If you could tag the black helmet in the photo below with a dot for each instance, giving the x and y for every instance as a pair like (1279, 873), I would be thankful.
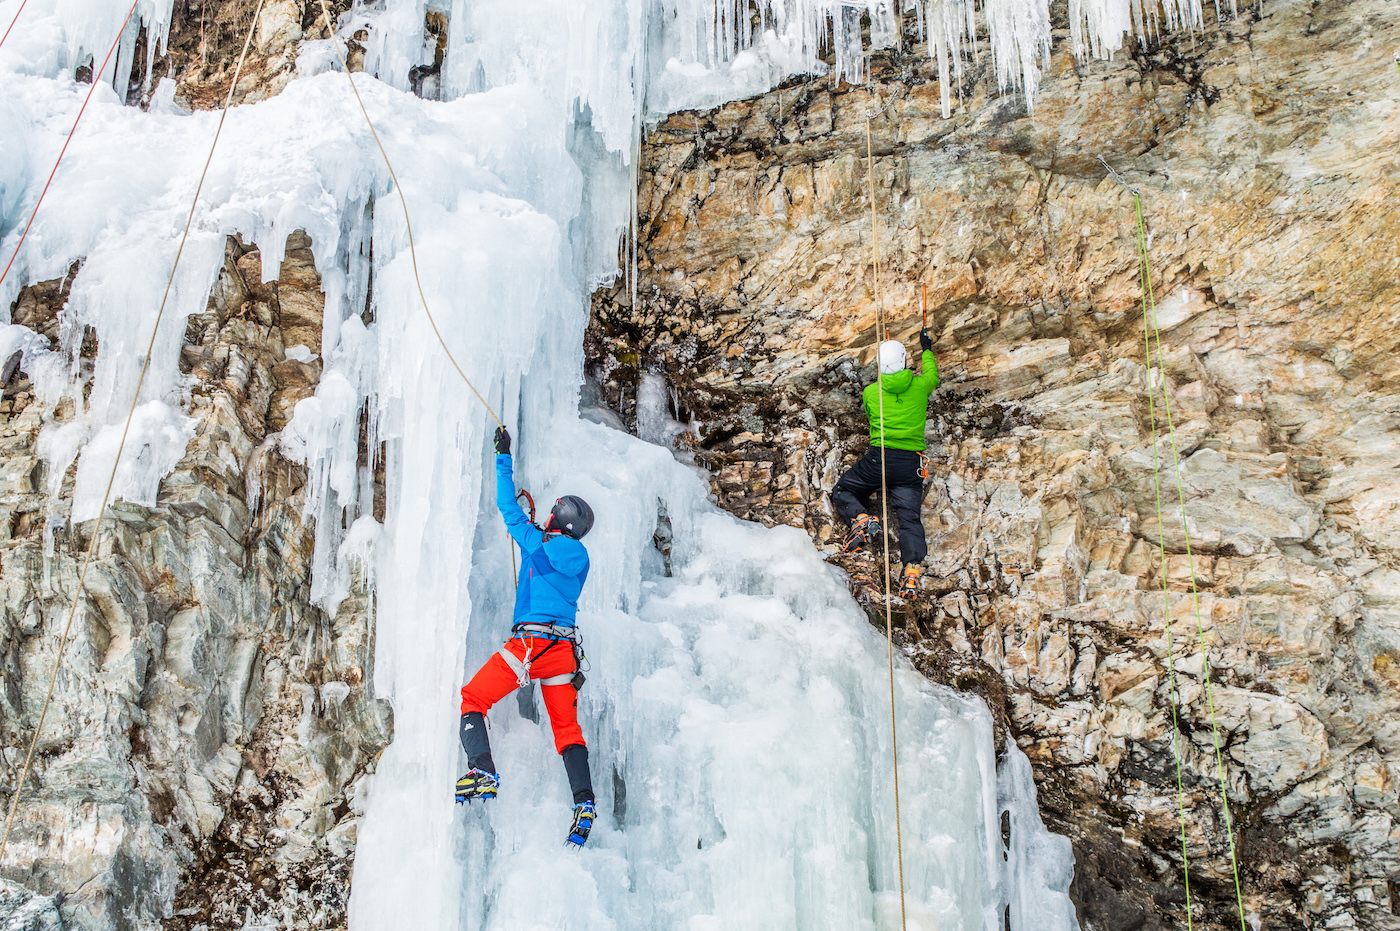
(570, 516)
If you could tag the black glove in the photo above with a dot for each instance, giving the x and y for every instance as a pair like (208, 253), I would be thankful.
(925, 341)
(502, 441)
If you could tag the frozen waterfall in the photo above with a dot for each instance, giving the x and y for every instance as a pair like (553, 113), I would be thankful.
(737, 703)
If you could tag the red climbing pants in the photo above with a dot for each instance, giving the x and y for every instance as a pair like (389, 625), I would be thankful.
(495, 680)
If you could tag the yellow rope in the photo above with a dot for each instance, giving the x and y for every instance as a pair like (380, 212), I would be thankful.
(1173, 694)
(885, 519)
(1151, 312)
(121, 447)
(398, 189)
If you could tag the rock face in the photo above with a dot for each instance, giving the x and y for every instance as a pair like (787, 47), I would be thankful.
(206, 38)
(1118, 657)
(198, 766)
(208, 725)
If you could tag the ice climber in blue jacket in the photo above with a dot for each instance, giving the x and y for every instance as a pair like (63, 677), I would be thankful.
(544, 643)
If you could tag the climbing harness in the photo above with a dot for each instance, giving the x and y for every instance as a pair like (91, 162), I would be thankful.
(1151, 333)
(126, 430)
(521, 666)
(884, 522)
(555, 635)
(546, 631)
(96, 79)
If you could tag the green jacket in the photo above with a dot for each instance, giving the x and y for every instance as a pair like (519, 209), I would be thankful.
(906, 406)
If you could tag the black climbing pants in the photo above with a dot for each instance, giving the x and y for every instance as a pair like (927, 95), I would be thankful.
(905, 492)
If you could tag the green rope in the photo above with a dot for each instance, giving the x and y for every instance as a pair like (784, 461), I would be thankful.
(1151, 308)
(1174, 694)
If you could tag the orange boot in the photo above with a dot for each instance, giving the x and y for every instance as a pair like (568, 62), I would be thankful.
(910, 589)
(864, 530)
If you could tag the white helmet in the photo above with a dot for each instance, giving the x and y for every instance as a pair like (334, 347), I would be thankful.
(892, 357)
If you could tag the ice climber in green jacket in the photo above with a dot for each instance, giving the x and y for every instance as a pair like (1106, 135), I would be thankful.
(898, 434)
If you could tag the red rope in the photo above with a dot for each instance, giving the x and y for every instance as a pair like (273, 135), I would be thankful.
(13, 21)
(96, 76)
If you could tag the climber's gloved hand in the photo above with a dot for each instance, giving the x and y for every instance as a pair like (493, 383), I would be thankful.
(502, 441)
(925, 341)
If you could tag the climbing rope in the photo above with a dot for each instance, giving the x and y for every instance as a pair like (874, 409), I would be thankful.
(96, 79)
(1174, 695)
(398, 189)
(1173, 692)
(412, 249)
(1151, 313)
(121, 446)
(880, 334)
(16, 19)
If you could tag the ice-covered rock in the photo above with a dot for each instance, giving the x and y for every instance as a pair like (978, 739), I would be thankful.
(755, 297)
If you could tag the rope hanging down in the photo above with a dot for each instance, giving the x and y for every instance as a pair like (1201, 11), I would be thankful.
(885, 517)
(412, 249)
(1151, 314)
(398, 189)
(1149, 325)
(121, 446)
(96, 79)
(21, 10)
(1173, 693)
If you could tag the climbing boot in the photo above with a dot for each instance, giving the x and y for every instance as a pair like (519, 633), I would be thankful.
(864, 529)
(477, 783)
(584, 813)
(909, 590)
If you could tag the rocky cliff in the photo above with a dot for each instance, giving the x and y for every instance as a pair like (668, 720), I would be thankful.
(1264, 149)
(208, 724)
(198, 768)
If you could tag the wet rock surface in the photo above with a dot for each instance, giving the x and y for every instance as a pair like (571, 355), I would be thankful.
(198, 763)
(1263, 150)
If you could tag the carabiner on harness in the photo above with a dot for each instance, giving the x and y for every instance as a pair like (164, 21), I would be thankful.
(556, 635)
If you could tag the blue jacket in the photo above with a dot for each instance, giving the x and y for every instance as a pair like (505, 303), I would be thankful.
(552, 569)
